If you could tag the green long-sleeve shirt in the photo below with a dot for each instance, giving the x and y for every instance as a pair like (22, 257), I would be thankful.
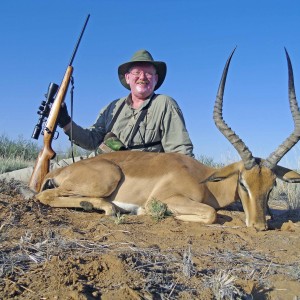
(163, 122)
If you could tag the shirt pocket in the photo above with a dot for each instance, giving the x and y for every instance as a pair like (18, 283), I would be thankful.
(148, 132)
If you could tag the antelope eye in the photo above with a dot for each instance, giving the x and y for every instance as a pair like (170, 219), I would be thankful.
(269, 193)
(243, 186)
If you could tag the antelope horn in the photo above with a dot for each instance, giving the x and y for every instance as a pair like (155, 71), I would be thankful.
(288, 144)
(232, 137)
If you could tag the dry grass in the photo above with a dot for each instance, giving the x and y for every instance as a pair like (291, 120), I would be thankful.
(288, 192)
(162, 273)
(165, 274)
(224, 287)
(119, 218)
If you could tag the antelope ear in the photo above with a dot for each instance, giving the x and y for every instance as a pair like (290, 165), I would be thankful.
(286, 174)
(223, 173)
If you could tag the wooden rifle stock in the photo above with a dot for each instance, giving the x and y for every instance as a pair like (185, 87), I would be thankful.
(42, 164)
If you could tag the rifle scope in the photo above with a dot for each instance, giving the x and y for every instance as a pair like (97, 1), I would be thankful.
(44, 109)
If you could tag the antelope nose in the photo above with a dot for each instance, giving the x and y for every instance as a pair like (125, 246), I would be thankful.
(260, 226)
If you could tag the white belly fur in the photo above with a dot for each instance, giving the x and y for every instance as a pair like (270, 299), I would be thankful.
(131, 208)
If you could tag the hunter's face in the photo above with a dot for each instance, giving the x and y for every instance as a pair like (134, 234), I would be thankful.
(142, 79)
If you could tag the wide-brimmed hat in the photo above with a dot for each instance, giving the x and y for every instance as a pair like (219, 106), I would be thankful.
(143, 56)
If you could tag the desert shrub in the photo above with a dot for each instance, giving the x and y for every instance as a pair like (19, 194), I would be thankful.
(157, 210)
(20, 148)
(16, 154)
(11, 164)
(21, 153)
(223, 285)
(67, 153)
(119, 218)
(289, 192)
(209, 161)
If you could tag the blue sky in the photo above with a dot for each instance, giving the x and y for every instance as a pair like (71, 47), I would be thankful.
(194, 38)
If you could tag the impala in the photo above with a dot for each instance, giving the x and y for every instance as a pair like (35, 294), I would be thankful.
(128, 180)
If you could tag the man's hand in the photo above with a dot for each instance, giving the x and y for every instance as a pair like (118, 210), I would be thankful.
(63, 117)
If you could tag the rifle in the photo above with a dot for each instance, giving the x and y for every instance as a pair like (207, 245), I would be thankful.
(51, 106)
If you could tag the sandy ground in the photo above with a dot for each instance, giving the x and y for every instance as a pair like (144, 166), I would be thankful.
(48, 253)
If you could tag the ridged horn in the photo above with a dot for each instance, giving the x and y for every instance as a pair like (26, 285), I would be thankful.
(232, 137)
(288, 144)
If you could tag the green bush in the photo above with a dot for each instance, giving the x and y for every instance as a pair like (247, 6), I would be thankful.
(20, 148)
(12, 164)
(157, 210)
(21, 153)
(77, 151)
(16, 154)
(206, 160)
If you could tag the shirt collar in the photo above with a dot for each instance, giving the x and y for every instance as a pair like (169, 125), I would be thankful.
(128, 101)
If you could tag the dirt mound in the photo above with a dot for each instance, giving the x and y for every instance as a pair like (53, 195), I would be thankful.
(50, 253)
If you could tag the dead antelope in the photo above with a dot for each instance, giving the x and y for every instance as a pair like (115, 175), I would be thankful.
(127, 180)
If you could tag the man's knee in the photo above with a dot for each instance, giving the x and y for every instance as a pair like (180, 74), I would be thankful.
(64, 162)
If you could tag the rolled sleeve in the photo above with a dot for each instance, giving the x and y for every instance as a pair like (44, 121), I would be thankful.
(90, 138)
(87, 138)
(175, 137)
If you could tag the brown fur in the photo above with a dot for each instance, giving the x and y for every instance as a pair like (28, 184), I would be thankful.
(191, 190)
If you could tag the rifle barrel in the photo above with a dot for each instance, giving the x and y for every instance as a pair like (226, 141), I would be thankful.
(78, 42)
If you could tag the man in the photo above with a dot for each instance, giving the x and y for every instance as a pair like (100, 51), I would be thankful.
(161, 129)
(142, 121)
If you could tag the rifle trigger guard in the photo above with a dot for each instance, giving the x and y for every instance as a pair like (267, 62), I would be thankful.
(56, 135)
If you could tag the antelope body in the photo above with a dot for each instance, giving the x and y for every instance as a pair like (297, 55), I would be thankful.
(128, 180)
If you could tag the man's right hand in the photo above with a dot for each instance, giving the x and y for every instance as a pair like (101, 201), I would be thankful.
(63, 117)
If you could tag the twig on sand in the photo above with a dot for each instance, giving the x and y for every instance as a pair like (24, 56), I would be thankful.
(20, 285)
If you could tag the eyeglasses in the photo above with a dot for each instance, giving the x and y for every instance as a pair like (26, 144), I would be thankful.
(139, 73)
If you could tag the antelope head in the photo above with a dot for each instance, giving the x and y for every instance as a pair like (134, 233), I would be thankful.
(257, 177)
